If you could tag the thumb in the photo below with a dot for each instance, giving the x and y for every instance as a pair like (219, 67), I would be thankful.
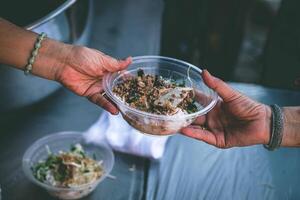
(113, 65)
(226, 92)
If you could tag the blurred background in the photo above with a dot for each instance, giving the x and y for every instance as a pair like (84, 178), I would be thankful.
(255, 41)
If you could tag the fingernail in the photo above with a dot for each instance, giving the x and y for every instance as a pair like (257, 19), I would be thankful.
(125, 58)
(209, 74)
(126, 61)
(129, 59)
(203, 71)
(114, 111)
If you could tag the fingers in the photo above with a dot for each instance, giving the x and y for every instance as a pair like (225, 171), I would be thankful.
(101, 101)
(198, 133)
(223, 89)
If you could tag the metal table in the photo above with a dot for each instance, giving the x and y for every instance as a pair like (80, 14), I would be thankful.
(189, 169)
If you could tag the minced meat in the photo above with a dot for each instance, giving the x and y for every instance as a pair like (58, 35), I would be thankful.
(154, 94)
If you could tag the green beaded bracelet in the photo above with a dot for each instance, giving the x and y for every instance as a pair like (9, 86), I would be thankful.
(34, 53)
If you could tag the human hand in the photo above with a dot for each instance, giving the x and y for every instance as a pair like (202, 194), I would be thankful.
(83, 71)
(236, 120)
(79, 69)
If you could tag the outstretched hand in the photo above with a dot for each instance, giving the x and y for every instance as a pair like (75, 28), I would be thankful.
(236, 120)
(83, 71)
(78, 68)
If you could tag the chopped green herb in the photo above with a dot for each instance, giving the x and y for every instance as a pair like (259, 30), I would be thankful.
(68, 169)
(191, 108)
(140, 72)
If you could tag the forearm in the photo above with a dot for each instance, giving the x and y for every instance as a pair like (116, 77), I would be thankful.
(16, 46)
(291, 130)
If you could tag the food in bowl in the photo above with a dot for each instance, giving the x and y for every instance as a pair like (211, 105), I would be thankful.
(157, 95)
(68, 169)
(162, 114)
(56, 143)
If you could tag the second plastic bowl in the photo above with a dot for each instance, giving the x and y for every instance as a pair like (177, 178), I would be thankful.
(168, 68)
(62, 142)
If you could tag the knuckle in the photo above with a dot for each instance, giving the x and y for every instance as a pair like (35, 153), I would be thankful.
(218, 83)
(220, 143)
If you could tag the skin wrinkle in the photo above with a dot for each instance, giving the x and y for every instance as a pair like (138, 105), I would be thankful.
(46, 51)
(291, 127)
(81, 53)
(93, 85)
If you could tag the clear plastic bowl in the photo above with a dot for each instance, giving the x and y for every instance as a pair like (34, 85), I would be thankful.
(62, 141)
(167, 68)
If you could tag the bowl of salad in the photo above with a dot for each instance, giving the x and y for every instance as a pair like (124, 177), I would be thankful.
(66, 165)
(159, 95)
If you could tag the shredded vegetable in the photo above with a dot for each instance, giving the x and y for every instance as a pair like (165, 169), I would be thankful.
(68, 169)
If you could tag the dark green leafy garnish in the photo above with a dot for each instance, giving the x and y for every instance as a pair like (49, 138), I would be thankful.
(191, 108)
(140, 73)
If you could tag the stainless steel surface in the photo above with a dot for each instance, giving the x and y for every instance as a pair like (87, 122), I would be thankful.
(18, 90)
(51, 15)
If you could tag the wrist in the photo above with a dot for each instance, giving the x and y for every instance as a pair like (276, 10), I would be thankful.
(50, 59)
(291, 127)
